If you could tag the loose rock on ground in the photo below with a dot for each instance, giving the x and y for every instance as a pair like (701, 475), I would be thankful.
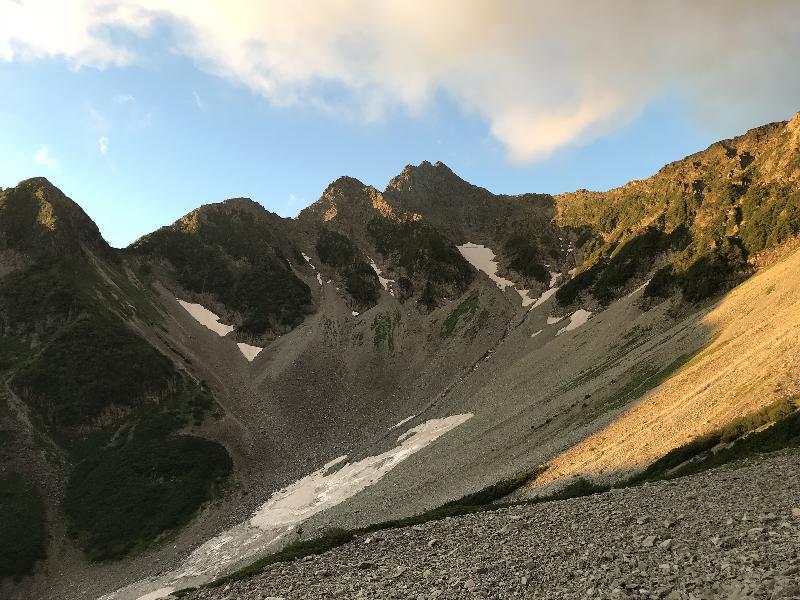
(729, 533)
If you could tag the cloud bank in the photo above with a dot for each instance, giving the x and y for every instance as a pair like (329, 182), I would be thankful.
(542, 74)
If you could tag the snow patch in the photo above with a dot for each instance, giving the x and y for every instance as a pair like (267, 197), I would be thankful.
(483, 259)
(250, 352)
(384, 282)
(211, 321)
(355, 313)
(553, 320)
(401, 423)
(553, 278)
(535, 333)
(544, 297)
(526, 297)
(638, 289)
(161, 593)
(576, 319)
(205, 317)
(308, 260)
(284, 511)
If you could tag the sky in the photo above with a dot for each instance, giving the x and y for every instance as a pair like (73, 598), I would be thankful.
(143, 110)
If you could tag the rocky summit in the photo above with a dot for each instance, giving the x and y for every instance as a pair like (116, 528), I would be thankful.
(425, 391)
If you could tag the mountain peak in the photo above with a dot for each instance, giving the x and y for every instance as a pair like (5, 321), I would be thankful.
(234, 205)
(346, 198)
(38, 218)
(427, 177)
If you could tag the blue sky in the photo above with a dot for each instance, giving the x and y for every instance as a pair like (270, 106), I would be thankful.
(139, 141)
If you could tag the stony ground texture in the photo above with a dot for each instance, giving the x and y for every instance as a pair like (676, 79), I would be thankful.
(731, 533)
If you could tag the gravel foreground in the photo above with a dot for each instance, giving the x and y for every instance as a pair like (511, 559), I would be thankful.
(730, 533)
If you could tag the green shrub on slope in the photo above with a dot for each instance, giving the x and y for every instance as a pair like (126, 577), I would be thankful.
(360, 279)
(23, 535)
(94, 365)
(121, 499)
(423, 255)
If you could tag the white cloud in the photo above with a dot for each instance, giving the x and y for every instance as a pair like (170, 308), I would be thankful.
(102, 145)
(543, 74)
(44, 158)
(199, 101)
(123, 99)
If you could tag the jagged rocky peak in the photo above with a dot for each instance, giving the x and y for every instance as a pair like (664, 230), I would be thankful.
(427, 178)
(36, 217)
(347, 199)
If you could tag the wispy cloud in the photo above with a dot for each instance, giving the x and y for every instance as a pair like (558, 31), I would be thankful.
(45, 158)
(123, 99)
(199, 101)
(543, 74)
(102, 144)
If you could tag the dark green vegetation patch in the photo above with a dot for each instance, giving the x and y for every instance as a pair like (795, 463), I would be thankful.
(525, 257)
(94, 365)
(723, 205)
(23, 537)
(121, 499)
(608, 275)
(335, 249)
(470, 314)
(383, 328)
(424, 256)
(112, 402)
(360, 279)
(227, 252)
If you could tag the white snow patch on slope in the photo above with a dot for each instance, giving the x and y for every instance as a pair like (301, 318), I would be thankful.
(206, 317)
(638, 289)
(576, 319)
(544, 297)
(526, 297)
(160, 593)
(401, 423)
(553, 320)
(211, 320)
(384, 282)
(250, 352)
(535, 333)
(355, 313)
(553, 278)
(308, 260)
(483, 259)
(284, 511)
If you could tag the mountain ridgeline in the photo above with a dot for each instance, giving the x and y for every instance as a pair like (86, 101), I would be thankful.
(122, 419)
